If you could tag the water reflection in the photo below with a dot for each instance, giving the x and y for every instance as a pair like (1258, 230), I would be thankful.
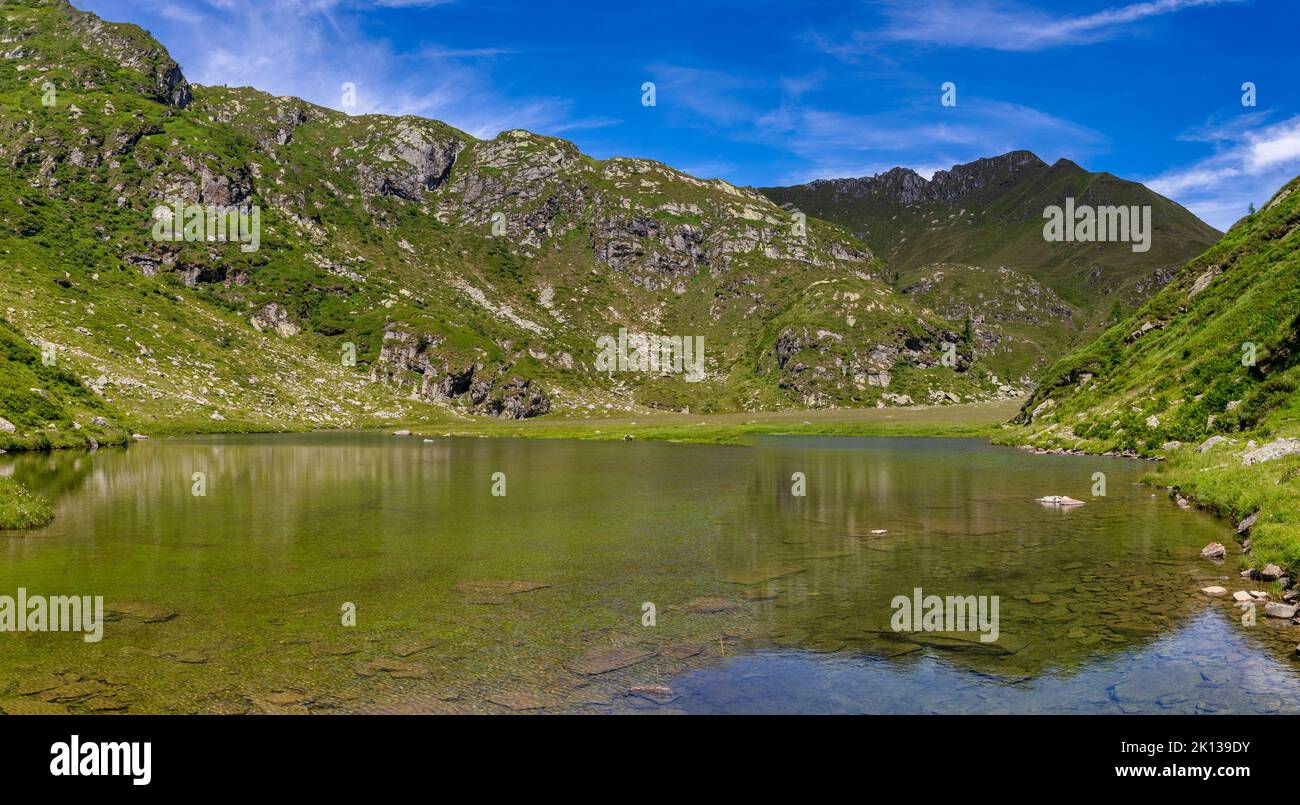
(472, 602)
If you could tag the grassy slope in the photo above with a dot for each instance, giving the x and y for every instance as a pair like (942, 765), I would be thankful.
(1003, 226)
(1172, 372)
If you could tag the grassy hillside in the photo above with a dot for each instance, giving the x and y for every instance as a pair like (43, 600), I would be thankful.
(1215, 355)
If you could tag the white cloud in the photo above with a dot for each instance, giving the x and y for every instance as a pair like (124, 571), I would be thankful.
(1009, 26)
(310, 48)
(835, 145)
(1250, 163)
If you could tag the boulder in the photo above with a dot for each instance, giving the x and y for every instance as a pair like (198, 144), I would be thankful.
(6, 426)
(1210, 443)
(1271, 451)
(1214, 550)
(1241, 596)
(1215, 590)
(1275, 610)
(1270, 572)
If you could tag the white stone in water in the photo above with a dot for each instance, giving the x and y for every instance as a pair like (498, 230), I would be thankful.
(1276, 610)
(1241, 595)
(1060, 500)
(1215, 590)
(401, 433)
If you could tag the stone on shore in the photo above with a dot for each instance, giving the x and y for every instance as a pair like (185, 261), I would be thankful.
(1271, 451)
(1248, 523)
(1210, 443)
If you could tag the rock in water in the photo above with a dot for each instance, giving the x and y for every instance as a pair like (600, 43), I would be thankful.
(1059, 500)
(1214, 551)
(1216, 590)
(603, 661)
(1275, 610)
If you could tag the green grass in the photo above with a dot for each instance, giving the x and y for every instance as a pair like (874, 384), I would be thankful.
(1219, 482)
(19, 508)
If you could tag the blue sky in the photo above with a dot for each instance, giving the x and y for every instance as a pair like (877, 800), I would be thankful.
(763, 93)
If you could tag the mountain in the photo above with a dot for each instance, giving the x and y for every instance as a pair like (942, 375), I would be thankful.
(955, 241)
(465, 276)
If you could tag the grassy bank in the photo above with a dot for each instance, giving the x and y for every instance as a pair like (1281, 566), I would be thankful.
(1218, 481)
(20, 508)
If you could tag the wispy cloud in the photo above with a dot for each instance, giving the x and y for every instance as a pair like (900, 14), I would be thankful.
(832, 144)
(248, 43)
(1251, 161)
(999, 25)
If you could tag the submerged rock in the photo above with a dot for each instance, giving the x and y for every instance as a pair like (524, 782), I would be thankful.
(708, 606)
(1214, 550)
(139, 611)
(1215, 590)
(518, 700)
(498, 586)
(659, 694)
(604, 660)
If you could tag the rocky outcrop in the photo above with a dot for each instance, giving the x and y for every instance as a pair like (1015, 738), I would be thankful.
(1271, 451)
(412, 360)
(275, 318)
(412, 160)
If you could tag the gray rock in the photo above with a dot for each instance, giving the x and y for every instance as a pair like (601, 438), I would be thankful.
(6, 426)
(275, 317)
(1210, 443)
(1275, 610)
(1248, 523)
(1214, 550)
(1270, 572)
(1271, 451)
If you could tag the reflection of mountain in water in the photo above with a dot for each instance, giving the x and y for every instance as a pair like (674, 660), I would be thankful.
(961, 520)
